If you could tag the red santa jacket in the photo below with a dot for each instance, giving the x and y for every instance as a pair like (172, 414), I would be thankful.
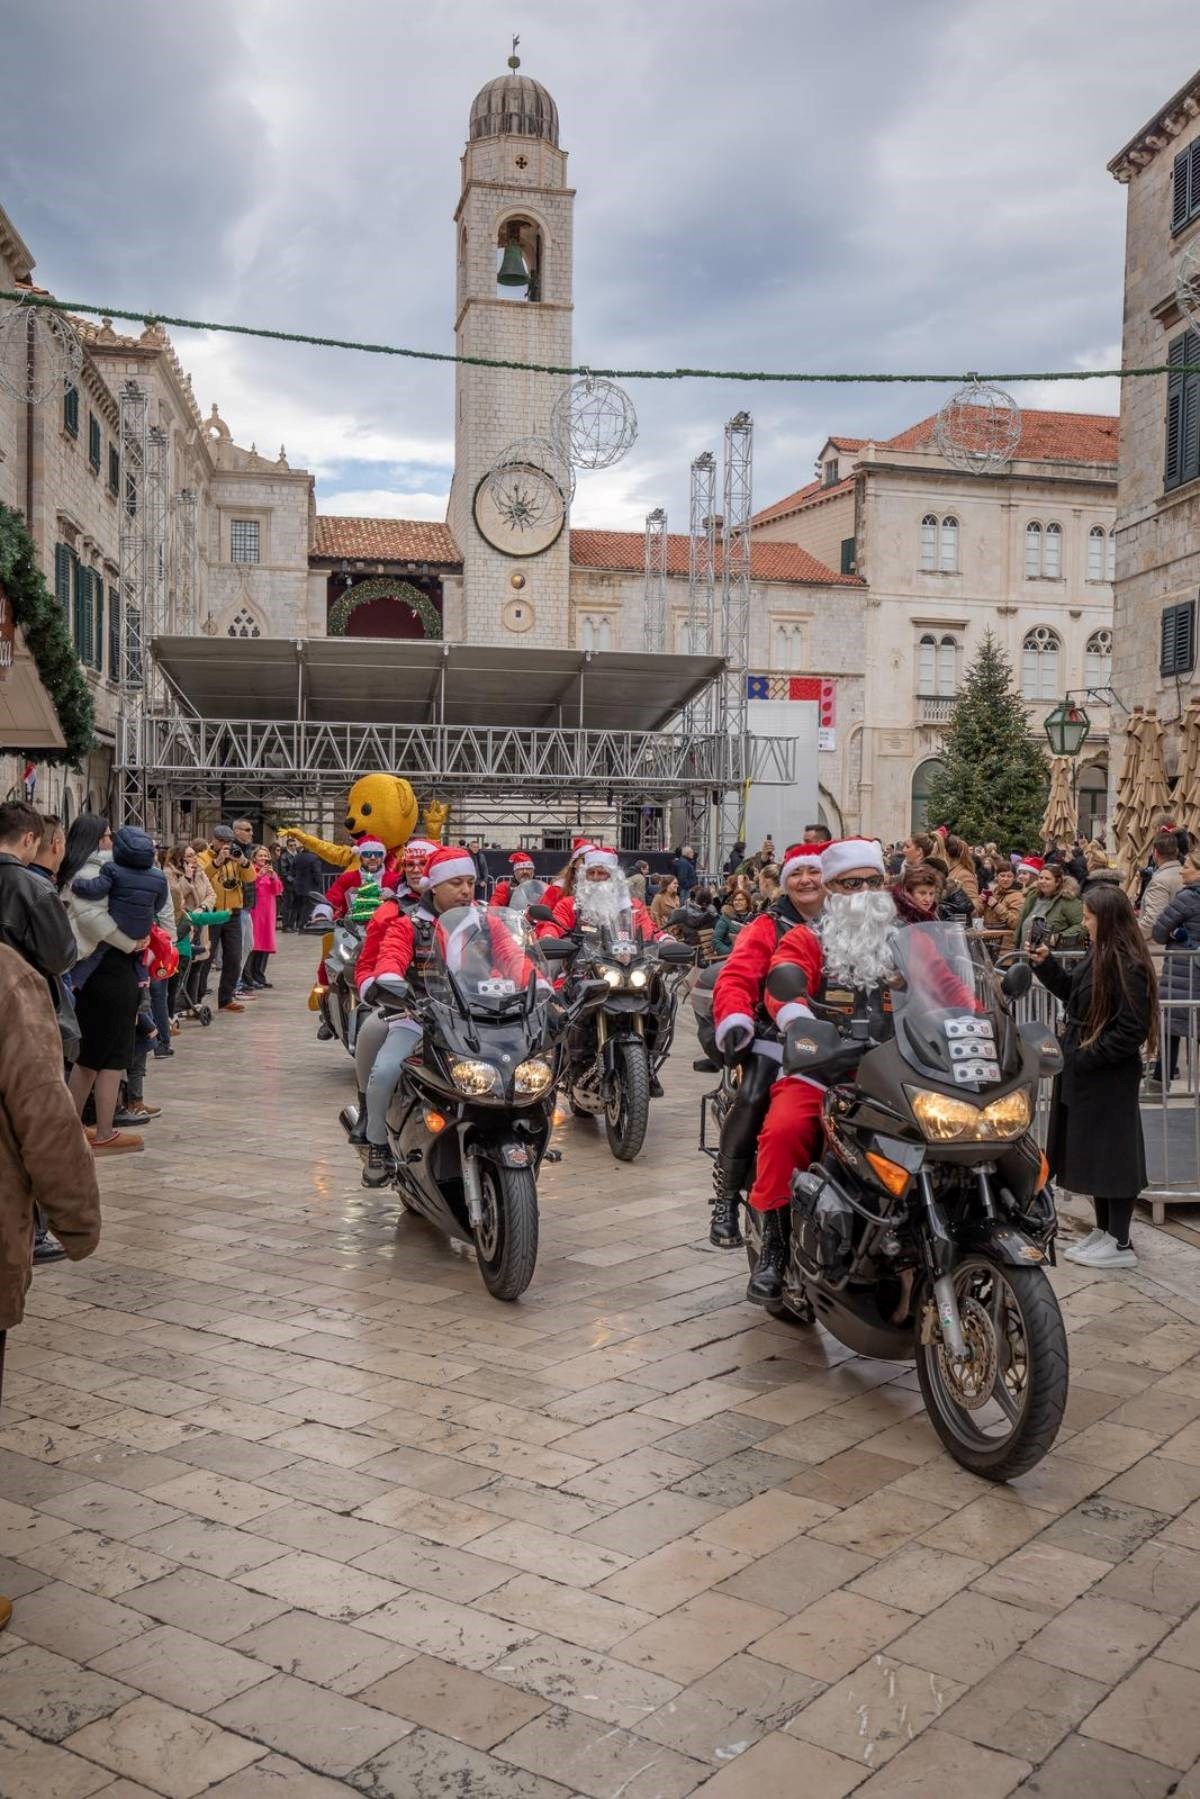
(738, 992)
(378, 925)
(503, 891)
(390, 945)
(565, 917)
(801, 947)
(338, 896)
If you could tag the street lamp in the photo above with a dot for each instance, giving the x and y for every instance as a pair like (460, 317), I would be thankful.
(1067, 728)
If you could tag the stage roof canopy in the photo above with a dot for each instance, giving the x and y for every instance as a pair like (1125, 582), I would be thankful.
(383, 681)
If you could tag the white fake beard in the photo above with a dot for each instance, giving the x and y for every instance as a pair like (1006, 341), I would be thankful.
(600, 903)
(856, 936)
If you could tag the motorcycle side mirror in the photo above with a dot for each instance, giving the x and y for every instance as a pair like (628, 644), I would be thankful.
(557, 949)
(1045, 1046)
(539, 914)
(1016, 980)
(809, 1044)
(676, 952)
(787, 982)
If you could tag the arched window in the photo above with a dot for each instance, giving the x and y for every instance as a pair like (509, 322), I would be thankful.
(1039, 664)
(243, 624)
(937, 666)
(1052, 553)
(1033, 550)
(1110, 557)
(1097, 557)
(929, 541)
(948, 554)
(787, 650)
(1097, 659)
(923, 776)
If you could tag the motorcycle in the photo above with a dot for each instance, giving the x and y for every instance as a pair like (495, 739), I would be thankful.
(470, 1121)
(616, 1049)
(924, 1229)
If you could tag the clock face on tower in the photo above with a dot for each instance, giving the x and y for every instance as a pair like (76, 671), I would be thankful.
(519, 509)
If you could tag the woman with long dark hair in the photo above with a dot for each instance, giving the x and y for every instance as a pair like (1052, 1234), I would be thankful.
(1110, 1015)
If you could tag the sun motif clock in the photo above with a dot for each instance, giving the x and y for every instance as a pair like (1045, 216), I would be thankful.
(519, 507)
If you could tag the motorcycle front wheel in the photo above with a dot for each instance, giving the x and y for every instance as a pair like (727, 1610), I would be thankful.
(999, 1413)
(628, 1110)
(506, 1241)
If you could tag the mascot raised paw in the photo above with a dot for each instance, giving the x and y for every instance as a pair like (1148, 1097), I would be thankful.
(379, 806)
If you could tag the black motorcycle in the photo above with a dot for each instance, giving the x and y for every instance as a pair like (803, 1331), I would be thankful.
(471, 1118)
(614, 1051)
(924, 1229)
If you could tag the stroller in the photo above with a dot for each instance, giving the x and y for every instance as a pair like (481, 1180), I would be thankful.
(188, 1003)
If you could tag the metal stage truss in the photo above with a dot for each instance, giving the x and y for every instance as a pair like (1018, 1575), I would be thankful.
(488, 727)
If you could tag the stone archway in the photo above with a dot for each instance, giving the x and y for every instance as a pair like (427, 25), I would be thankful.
(383, 587)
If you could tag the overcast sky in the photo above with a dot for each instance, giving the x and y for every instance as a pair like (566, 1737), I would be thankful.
(893, 184)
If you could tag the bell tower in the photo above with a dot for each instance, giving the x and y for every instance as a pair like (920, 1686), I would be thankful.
(513, 304)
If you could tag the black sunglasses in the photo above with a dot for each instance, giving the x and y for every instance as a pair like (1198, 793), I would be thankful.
(853, 883)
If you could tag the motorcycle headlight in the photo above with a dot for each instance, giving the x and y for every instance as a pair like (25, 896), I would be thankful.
(638, 977)
(474, 1077)
(947, 1120)
(533, 1076)
(613, 976)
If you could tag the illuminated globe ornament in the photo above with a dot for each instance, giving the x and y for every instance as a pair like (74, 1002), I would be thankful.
(40, 354)
(979, 428)
(1187, 283)
(594, 422)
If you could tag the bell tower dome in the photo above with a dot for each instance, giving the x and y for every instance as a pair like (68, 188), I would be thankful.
(513, 304)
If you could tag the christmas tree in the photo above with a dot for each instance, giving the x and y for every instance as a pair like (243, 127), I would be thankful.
(991, 787)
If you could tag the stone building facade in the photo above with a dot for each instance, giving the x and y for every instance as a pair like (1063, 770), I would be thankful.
(945, 557)
(1158, 495)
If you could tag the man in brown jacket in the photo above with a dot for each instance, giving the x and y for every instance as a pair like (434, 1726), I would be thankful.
(44, 1156)
(1002, 906)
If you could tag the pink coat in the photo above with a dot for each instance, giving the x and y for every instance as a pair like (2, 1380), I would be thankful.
(268, 888)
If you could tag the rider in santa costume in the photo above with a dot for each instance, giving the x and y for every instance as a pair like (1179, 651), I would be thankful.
(521, 863)
(597, 867)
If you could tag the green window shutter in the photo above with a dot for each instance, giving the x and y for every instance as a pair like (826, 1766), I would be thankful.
(71, 411)
(98, 625)
(1179, 191)
(1173, 461)
(847, 555)
(94, 442)
(114, 632)
(114, 469)
(62, 579)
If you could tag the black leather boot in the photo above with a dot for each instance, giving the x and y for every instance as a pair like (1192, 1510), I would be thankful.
(765, 1285)
(358, 1131)
(725, 1230)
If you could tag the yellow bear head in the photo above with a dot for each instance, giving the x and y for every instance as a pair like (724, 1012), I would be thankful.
(382, 806)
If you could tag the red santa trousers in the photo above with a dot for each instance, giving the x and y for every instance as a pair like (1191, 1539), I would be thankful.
(790, 1139)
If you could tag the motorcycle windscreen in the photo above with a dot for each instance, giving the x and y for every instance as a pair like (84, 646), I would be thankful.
(528, 894)
(951, 1024)
(484, 958)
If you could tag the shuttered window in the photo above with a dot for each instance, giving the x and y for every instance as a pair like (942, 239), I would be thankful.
(98, 624)
(62, 579)
(847, 564)
(94, 442)
(1185, 187)
(1182, 459)
(71, 411)
(1177, 655)
(114, 632)
(114, 469)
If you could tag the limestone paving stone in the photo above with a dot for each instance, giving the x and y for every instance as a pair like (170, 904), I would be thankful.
(51, 1697)
(322, 1730)
(173, 1752)
(37, 1770)
(182, 1669)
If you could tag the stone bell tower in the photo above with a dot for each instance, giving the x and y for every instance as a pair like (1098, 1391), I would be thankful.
(514, 223)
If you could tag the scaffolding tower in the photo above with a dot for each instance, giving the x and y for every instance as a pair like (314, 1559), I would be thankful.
(132, 556)
(654, 600)
(185, 567)
(735, 628)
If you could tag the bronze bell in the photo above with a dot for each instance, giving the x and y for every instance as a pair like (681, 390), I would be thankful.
(514, 270)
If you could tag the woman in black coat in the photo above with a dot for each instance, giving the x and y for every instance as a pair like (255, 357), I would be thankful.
(1178, 926)
(1110, 1012)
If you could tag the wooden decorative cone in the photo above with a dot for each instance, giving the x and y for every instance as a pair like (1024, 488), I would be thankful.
(1059, 821)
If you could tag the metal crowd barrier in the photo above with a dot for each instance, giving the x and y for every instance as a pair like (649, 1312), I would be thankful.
(1171, 1119)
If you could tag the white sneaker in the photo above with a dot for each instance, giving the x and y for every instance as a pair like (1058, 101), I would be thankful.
(1105, 1254)
(1075, 1253)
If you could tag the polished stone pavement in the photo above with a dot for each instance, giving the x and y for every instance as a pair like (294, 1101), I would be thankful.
(289, 1506)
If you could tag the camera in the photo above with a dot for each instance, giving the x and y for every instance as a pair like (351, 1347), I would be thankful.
(1038, 933)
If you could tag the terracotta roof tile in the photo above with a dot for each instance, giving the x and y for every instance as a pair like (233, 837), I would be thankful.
(849, 444)
(1045, 437)
(624, 552)
(815, 494)
(385, 540)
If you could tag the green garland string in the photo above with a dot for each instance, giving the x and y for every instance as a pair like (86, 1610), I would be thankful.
(806, 376)
(40, 617)
(381, 588)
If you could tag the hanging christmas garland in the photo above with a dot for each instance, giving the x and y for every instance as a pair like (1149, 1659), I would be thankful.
(381, 588)
(40, 618)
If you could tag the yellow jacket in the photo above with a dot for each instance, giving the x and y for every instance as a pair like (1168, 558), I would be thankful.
(229, 879)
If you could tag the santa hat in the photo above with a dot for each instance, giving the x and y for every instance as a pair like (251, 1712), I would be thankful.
(521, 859)
(800, 855)
(1030, 865)
(597, 857)
(581, 843)
(845, 853)
(370, 846)
(447, 864)
(418, 849)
